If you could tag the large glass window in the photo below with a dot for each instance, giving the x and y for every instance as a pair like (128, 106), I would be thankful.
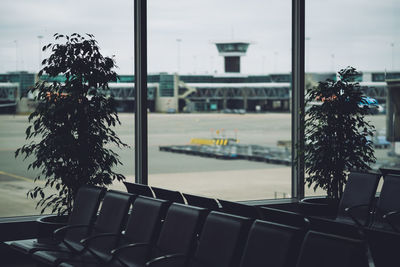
(220, 125)
(25, 27)
(364, 36)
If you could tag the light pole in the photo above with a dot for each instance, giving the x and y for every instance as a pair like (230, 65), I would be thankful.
(178, 63)
(276, 61)
(392, 45)
(333, 63)
(16, 54)
(40, 37)
(308, 54)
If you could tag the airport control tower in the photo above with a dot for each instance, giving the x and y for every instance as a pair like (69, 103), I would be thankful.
(232, 51)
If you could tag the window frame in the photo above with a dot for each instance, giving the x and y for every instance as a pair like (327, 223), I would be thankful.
(297, 108)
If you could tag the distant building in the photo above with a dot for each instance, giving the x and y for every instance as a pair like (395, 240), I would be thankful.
(229, 92)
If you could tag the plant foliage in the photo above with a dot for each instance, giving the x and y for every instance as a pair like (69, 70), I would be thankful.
(72, 124)
(336, 133)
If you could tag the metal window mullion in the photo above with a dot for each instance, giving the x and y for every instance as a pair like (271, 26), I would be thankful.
(140, 42)
(298, 72)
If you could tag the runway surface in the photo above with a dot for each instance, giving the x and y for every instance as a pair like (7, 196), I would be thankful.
(226, 179)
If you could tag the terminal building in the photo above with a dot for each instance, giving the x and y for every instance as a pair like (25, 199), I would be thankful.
(231, 91)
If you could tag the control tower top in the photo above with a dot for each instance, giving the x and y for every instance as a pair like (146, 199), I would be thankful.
(232, 51)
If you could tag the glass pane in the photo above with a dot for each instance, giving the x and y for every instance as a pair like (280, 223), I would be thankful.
(364, 36)
(220, 125)
(26, 27)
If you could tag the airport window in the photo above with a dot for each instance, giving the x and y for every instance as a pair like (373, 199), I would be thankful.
(22, 36)
(355, 39)
(226, 130)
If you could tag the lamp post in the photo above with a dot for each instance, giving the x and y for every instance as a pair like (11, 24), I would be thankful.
(178, 61)
(276, 61)
(16, 54)
(40, 37)
(392, 45)
(308, 54)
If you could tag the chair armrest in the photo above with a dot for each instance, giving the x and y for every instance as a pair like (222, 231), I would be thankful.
(388, 217)
(349, 211)
(62, 231)
(85, 242)
(140, 249)
(170, 260)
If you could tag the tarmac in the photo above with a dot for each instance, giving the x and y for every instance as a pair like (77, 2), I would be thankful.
(225, 179)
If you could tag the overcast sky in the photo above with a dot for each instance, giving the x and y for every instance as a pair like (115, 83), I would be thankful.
(361, 33)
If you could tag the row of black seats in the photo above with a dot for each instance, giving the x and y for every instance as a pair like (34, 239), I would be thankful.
(160, 233)
(357, 206)
(221, 205)
(360, 215)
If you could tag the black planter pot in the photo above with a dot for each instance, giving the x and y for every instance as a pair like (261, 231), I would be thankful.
(47, 225)
(319, 206)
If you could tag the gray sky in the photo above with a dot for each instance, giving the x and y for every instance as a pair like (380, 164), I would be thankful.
(359, 33)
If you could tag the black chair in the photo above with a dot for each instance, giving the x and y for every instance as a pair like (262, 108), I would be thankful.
(384, 247)
(84, 209)
(358, 197)
(107, 227)
(284, 217)
(173, 196)
(325, 250)
(271, 244)
(240, 209)
(221, 241)
(177, 239)
(139, 189)
(204, 202)
(142, 229)
(387, 211)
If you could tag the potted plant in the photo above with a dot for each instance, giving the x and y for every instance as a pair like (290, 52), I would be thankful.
(71, 127)
(336, 136)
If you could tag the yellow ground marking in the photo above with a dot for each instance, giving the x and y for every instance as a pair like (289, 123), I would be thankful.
(16, 176)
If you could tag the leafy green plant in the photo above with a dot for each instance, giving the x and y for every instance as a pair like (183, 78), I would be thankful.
(336, 133)
(71, 126)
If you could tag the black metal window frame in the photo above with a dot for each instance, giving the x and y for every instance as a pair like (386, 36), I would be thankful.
(297, 81)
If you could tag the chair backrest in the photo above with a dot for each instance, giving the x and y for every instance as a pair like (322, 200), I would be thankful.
(111, 219)
(389, 200)
(240, 209)
(166, 194)
(144, 223)
(139, 189)
(325, 250)
(84, 210)
(180, 229)
(284, 217)
(360, 190)
(384, 247)
(271, 244)
(204, 202)
(222, 240)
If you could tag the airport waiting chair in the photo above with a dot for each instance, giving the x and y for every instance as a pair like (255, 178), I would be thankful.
(387, 211)
(199, 201)
(325, 250)
(173, 196)
(383, 246)
(358, 198)
(176, 241)
(240, 209)
(139, 189)
(142, 229)
(355, 207)
(271, 244)
(221, 242)
(84, 210)
(102, 239)
(284, 217)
